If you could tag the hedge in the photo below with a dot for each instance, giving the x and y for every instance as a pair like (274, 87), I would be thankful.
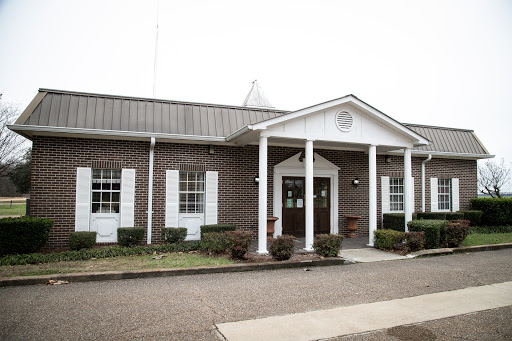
(174, 234)
(432, 215)
(454, 216)
(395, 221)
(474, 216)
(328, 245)
(217, 228)
(387, 239)
(23, 234)
(282, 247)
(130, 236)
(496, 211)
(491, 229)
(104, 252)
(82, 240)
(435, 231)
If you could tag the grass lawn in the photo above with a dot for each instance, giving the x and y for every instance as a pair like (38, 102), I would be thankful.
(169, 260)
(487, 238)
(16, 209)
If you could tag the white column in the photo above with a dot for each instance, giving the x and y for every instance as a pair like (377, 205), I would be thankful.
(372, 174)
(262, 202)
(407, 187)
(309, 196)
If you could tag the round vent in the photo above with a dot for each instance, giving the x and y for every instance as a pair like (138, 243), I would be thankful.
(344, 121)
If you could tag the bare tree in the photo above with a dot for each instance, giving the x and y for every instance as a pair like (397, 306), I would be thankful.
(493, 177)
(12, 145)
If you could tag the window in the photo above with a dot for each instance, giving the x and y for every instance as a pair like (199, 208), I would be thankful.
(191, 192)
(106, 190)
(396, 194)
(443, 193)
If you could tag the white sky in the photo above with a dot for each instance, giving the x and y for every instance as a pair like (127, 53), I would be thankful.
(445, 63)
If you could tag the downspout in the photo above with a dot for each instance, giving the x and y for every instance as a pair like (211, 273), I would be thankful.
(423, 181)
(150, 188)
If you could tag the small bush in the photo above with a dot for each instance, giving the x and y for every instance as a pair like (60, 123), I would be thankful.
(456, 232)
(214, 242)
(432, 215)
(238, 243)
(82, 240)
(217, 228)
(23, 234)
(104, 252)
(130, 236)
(282, 247)
(496, 211)
(434, 229)
(387, 239)
(454, 216)
(491, 229)
(475, 217)
(415, 241)
(173, 235)
(328, 245)
(395, 221)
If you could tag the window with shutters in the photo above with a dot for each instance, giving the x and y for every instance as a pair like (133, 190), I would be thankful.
(106, 190)
(443, 194)
(191, 192)
(396, 194)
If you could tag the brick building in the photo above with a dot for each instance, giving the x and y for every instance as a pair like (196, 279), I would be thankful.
(100, 162)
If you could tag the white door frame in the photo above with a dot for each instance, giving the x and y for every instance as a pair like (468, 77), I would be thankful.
(293, 167)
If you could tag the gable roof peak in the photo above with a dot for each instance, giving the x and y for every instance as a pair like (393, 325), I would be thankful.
(256, 97)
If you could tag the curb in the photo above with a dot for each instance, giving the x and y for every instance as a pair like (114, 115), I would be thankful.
(462, 249)
(151, 273)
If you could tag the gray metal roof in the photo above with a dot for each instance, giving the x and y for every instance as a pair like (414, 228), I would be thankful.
(104, 112)
(448, 140)
(57, 110)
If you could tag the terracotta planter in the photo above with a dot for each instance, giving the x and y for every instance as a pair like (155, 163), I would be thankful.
(270, 226)
(352, 225)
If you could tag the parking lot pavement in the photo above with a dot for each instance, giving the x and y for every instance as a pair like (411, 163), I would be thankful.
(188, 307)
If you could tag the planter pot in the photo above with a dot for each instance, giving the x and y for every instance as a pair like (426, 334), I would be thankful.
(352, 225)
(270, 226)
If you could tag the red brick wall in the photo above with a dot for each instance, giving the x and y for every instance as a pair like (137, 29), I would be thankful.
(55, 161)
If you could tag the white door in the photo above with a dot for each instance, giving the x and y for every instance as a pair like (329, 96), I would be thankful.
(106, 191)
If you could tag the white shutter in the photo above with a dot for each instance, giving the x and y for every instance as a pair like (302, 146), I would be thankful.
(455, 194)
(384, 189)
(127, 218)
(412, 195)
(83, 199)
(171, 198)
(212, 184)
(434, 199)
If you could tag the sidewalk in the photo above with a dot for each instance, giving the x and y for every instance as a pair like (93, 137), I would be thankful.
(323, 324)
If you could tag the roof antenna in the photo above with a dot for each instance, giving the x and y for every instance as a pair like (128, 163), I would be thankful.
(156, 49)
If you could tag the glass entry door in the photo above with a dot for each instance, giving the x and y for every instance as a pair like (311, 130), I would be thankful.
(294, 203)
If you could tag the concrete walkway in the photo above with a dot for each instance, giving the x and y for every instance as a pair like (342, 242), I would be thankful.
(362, 318)
(369, 255)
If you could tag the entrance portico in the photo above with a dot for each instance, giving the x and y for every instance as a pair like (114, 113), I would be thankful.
(342, 124)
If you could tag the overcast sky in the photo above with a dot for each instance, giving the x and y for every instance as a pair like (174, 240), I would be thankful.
(444, 63)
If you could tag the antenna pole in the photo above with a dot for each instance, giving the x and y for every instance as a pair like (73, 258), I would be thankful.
(156, 48)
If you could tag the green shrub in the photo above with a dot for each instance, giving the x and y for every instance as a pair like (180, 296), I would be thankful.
(328, 245)
(415, 241)
(174, 234)
(387, 239)
(23, 234)
(432, 215)
(454, 216)
(491, 229)
(456, 232)
(214, 242)
(217, 228)
(238, 243)
(104, 252)
(82, 240)
(395, 221)
(434, 231)
(282, 247)
(474, 216)
(130, 236)
(496, 211)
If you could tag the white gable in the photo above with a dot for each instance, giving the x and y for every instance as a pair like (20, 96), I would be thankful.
(295, 162)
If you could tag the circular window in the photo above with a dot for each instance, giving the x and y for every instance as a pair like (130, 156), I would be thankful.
(344, 121)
